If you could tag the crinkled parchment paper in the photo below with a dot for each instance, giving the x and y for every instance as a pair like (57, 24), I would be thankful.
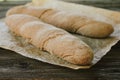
(99, 46)
(19, 45)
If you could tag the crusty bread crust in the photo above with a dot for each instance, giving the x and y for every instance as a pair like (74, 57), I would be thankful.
(49, 38)
(70, 22)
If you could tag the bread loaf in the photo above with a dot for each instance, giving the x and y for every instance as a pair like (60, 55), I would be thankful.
(51, 39)
(68, 21)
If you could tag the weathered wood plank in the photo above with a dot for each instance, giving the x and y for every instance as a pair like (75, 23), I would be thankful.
(109, 4)
(13, 65)
(18, 66)
(11, 3)
(2, 14)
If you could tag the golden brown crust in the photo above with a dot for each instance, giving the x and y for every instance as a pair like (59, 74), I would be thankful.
(51, 39)
(70, 22)
(18, 23)
(78, 24)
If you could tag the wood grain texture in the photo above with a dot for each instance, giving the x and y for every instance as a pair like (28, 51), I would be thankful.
(109, 4)
(13, 65)
(16, 67)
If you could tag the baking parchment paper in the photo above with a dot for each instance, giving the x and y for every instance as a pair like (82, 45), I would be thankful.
(19, 45)
(100, 46)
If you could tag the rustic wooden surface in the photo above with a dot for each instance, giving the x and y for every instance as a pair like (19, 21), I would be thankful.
(13, 65)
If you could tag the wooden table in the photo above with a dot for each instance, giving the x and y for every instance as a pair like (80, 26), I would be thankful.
(13, 65)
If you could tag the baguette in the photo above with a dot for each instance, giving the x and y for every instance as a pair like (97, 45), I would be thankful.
(51, 39)
(70, 22)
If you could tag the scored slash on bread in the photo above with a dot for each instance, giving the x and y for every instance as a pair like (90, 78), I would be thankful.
(70, 22)
(51, 39)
